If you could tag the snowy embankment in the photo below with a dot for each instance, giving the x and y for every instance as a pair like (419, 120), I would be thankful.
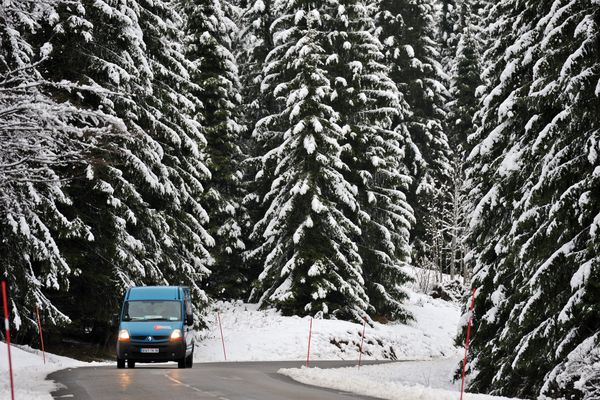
(264, 335)
(410, 380)
(425, 346)
(30, 372)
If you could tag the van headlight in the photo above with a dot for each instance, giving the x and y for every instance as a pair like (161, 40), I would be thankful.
(123, 335)
(176, 335)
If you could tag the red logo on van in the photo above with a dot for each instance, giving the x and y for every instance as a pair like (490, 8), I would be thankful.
(161, 327)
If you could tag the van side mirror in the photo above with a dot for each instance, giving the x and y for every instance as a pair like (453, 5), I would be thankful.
(189, 319)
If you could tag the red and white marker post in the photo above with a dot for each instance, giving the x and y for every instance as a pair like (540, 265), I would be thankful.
(7, 328)
(222, 338)
(464, 367)
(37, 313)
(309, 337)
(362, 340)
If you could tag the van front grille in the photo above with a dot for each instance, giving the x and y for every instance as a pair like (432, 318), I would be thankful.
(150, 338)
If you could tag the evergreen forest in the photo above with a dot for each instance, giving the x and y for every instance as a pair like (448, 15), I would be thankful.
(302, 154)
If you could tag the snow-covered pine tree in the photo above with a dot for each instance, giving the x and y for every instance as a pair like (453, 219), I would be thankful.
(465, 71)
(407, 30)
(368, 104)
(535, 226)
(452, 23)
(40, 137)
(142, 196)
(254, 43)
(312, 262)
(488, 217)
(447, 29)
(99, 45)
(181, 247)
(209, 32)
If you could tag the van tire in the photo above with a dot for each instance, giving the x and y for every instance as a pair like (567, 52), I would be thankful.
(189, 360)
(120, 363)
(130, 364)
(181, 363)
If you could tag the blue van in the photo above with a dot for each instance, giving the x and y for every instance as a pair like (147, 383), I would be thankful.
(156, 325)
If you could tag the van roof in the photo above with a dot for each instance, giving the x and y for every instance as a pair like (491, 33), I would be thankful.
(154, 293)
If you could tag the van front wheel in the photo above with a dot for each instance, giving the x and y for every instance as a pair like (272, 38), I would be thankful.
(181, 363)
(120, 363)
(189, 361)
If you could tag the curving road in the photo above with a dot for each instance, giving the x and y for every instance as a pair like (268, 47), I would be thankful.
(214, 381)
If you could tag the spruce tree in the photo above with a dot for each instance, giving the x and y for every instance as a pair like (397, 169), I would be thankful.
(488, 200)
(41, 139)
(464, 80)
(141, 197)
(454, 16)
(464, 70)
(312, 262)
(407, 30)
(534, 227)
(209, 32)
(185, 257)
(447, 29)
(99, 46)
(368, 103)
(254, 43)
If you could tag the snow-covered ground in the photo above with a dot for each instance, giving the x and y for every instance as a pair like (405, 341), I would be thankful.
(426, 347)
(30, 372)
(264, 335)
(410, 380)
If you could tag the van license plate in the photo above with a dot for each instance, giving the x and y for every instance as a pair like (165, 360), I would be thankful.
(147, 350)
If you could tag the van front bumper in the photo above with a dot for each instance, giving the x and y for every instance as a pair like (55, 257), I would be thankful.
(167, 351)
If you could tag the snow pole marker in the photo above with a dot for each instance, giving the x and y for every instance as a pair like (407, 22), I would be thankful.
(7, 329)
(464, 366)
(362, 340)
(309, 338)
(37, 313)
(222, 338)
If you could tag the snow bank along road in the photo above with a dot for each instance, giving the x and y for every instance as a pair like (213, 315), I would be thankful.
(221, 381)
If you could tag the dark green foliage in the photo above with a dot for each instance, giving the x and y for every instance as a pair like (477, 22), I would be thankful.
(209, 44)
(140, 194)
(534, 226)
(407, 30)
(43, 139)
(369, 104)
(464, 81)
(254, 43)
(311, 261)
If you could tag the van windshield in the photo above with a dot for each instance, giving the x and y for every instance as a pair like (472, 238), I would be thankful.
(152, 310)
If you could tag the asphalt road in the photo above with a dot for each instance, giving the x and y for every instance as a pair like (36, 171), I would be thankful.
(215, 381)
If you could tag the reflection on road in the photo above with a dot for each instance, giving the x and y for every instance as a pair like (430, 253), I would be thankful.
(124, 380)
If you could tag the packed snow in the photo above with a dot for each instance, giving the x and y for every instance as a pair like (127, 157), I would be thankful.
(30, 372)
(251, 334)
(414, 380)
(424, 346)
